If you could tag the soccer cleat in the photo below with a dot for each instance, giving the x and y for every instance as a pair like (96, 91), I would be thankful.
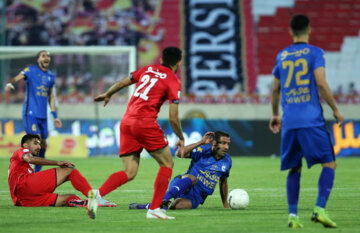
(105, 203)
(158, 214)
(165, 204)
(294, 222)
(319, 215)
(78, 203)
(93, 203)
(139, 206)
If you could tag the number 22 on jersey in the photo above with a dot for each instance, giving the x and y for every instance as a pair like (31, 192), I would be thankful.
(143, 89)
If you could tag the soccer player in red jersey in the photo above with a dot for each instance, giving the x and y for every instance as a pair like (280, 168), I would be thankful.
(139, 129)
(31, 189)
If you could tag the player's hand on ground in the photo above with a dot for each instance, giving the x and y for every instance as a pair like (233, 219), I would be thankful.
(339, 118)
(9, 87)
(208, 137)
(57, 123)
(180, 144)
(65, 164)
(103, 97)
(275, 124)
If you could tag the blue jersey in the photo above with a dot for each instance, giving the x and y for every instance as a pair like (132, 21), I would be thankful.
(207, 169)
(38, 86)
(295, 66)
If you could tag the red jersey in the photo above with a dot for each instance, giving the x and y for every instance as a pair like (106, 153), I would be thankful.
(155, 85)
(17, 170)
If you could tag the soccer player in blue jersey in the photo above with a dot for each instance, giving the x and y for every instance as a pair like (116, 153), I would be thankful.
(39, 81)
(299, 77)
(209, 165)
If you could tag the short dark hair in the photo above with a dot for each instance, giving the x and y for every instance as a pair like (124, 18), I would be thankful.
(39, 53)
(219, 134)
(171, 56)
(299, 24)
(28, 137)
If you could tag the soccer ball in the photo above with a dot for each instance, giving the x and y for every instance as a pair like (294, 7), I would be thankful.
(238, 199)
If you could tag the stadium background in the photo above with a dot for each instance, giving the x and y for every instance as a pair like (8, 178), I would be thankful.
(229, 50)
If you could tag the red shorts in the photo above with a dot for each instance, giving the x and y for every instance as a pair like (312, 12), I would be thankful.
(37, 189)
(135, 137)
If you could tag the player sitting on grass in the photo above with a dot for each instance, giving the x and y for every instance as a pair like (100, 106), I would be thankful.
(209, 164)
(31, 189)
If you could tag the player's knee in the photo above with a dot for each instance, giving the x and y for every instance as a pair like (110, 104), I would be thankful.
(331, 165)
(193, 179)
(295, 169)
(65, 170)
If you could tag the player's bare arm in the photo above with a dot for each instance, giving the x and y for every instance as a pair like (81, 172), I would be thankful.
(112, 90)
(10, 85)
(275, 121)
(224, 191)
(52, 99)
(29, 158)
(325, 92)
(176, 126)
(207, 138)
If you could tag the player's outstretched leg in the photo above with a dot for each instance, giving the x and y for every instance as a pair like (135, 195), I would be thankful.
(319, 215)
(93, 203)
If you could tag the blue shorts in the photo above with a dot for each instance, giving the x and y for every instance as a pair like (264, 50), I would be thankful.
(193, 194)
(34, 125)
(312, 143)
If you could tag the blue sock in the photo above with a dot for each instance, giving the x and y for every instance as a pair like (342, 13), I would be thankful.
(143, 206)
(292, 190)
(179, 187)
(42, 155)
(326, 182)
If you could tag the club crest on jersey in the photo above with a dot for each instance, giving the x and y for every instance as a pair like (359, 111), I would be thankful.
(157, 73)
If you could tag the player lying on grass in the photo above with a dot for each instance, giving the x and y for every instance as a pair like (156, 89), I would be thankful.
(31, 189)
(209, 165)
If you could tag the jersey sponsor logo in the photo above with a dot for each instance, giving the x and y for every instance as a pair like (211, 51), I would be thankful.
(208, 179)
(33, 127)
(297, 53)
(223, 168)
(157, 73)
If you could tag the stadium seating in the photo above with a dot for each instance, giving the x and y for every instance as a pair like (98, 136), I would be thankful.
(332, 20)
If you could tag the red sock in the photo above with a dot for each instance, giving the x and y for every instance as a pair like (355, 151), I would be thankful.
(161, 184)
(79, 182)
(113, 182)
(71, 198)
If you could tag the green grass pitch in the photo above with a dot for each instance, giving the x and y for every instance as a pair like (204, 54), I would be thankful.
(260, 176)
